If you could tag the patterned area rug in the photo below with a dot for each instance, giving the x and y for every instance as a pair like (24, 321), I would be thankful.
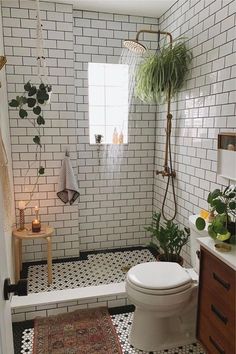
(80, 332)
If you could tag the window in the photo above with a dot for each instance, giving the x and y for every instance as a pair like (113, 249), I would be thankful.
(108, 102)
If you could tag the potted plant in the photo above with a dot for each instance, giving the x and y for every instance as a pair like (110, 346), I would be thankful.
(163, 72)
(34, 98)
(222, 225)
(168, 239)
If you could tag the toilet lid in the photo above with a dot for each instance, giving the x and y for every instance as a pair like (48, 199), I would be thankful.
(158, 275)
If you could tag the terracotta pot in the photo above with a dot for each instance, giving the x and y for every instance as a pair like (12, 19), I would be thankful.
(174, 258)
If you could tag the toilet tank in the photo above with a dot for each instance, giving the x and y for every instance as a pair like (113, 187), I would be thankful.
(194, 245)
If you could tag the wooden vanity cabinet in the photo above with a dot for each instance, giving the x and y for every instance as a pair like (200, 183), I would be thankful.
(216, 305)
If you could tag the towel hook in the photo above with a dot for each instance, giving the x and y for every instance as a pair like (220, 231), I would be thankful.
(67, 153)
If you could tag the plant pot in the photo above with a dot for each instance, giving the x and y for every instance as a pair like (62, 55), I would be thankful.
(173, 258)
(232, 228)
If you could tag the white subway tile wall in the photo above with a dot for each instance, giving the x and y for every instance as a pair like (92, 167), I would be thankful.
(116, 197)
(203, 108)
(116, 201)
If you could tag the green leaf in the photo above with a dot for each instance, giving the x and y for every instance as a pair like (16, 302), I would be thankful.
(40, 100)
(37, 110)
(209, 198)
(232, 205)
(220, 207)
(23, 113)
(36, 140)
(23, 100)
(27, 86)
(31, 102)
(13, 103)
(32, 91)
(41, 170)
(216, 193)
(200, 224)
(42, 95)
(40, 120)
(42, 86)
(211, 232)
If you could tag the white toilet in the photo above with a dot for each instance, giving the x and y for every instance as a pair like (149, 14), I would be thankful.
(165, 299)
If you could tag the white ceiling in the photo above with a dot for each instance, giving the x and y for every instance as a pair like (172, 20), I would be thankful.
(149, 8)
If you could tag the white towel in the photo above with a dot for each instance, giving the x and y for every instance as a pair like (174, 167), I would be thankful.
(67, 189)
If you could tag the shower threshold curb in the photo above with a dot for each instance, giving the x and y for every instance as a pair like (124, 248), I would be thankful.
(66, 295)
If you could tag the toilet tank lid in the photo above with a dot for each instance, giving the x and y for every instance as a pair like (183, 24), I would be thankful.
(158, 275)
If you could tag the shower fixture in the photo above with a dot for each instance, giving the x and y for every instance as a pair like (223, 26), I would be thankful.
(134, 46)
(138, 48)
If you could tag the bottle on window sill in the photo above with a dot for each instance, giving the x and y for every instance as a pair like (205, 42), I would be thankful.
(121, 138)
(115, 138)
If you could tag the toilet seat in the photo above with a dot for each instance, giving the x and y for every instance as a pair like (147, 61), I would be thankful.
(159, 278)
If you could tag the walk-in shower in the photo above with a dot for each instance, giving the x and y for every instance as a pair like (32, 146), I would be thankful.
(138, 48)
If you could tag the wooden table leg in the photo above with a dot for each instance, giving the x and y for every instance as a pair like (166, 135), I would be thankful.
(17, 258)
(20, 254)
(49, 260)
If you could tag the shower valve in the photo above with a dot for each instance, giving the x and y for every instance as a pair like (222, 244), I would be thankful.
(166, 173)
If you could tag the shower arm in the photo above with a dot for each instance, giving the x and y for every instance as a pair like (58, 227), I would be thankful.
(167, 171)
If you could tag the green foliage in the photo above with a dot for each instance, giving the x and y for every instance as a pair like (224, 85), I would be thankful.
(223, 204)
(36, 140)
(169, 239)
(33, 97)
(41, 170)
(163, 72)
(200, 223)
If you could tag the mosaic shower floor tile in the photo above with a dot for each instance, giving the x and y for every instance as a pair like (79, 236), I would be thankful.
(99, 268)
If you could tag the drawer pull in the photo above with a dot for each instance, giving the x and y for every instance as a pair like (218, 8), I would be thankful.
(219, 314)
(221, 281)
(216, 345)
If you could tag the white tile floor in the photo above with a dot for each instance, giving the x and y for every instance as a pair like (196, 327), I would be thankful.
(102, 268)
(122, 323)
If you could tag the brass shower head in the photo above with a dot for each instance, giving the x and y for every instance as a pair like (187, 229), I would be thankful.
(134, 46)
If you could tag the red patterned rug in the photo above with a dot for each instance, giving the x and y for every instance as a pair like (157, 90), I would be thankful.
(89, 331)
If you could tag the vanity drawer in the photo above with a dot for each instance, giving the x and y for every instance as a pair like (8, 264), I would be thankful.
(212, 339)
(217, 276)
(219, 313)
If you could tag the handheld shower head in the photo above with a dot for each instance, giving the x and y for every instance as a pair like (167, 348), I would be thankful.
(134, 46)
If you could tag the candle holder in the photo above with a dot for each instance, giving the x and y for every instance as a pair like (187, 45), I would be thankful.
(22, 220)
(36, 224)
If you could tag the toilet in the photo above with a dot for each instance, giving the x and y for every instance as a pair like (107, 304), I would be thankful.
(165, 299)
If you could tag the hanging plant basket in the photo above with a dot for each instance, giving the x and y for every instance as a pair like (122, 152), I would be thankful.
(163, 72)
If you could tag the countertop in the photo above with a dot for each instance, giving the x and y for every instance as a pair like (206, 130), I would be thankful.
(228, 258)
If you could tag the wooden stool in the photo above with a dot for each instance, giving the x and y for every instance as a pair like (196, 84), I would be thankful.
(27, 234)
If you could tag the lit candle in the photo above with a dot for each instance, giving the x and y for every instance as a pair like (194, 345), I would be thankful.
(36, 226)
(21, 205)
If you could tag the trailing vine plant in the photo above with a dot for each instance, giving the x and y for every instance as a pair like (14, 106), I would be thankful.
(33, 97)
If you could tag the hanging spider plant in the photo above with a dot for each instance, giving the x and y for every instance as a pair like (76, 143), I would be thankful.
(163, 73)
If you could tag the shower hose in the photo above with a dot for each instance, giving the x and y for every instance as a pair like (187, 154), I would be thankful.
(170, 179)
